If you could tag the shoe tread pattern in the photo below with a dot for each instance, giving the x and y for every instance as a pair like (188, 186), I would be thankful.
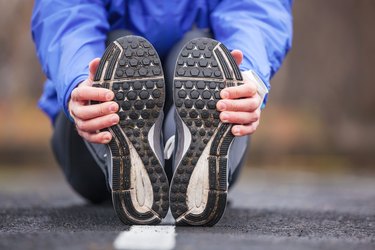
(131, 68)
(196, 96)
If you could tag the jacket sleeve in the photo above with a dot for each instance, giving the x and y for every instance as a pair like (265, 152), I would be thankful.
(261, 29)
(67, 36)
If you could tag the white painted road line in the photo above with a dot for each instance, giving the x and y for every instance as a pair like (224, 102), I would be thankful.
(146, 237)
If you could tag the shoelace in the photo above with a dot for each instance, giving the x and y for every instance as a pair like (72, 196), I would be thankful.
(169, 147)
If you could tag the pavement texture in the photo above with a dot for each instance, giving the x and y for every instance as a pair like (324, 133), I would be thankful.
(268, 210)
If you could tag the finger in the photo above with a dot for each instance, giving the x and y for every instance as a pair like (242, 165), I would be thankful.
(237, 55)
(239, 117)
(98, 123)
(92, 111)
(101, 137)
(93, 66)
(88, 93)
(245, 90)
(248, 129)
(246, 104)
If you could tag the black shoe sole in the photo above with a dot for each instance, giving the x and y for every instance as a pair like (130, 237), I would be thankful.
(204, 67)
(131, 68)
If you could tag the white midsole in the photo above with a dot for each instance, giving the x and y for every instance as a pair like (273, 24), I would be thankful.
(198, 188)
(141, 192)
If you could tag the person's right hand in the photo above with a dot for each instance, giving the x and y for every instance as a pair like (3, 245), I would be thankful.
(89, 119)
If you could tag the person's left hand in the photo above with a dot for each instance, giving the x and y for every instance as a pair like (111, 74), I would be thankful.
(240, 104)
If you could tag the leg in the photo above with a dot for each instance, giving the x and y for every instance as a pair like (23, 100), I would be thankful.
(237, 157)
(79, 167)
(115, 34)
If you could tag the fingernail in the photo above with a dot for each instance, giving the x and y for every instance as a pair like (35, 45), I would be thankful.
(113, 107)
(107, 138)
(224, 94)
(109, 96)
(224, 117)
(114, 119)
(236, 131)
(221, 106)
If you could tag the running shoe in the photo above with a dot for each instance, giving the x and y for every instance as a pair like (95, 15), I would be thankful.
(199, 187)
(131, 68)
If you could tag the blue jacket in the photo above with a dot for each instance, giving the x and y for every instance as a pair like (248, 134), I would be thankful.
(69, 34)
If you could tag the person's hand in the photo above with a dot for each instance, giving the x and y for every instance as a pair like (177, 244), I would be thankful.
(240, 104)
(89, 119)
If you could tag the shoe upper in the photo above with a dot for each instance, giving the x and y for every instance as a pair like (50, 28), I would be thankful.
(182, 140)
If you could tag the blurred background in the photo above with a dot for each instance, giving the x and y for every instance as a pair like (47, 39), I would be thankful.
(320, 115)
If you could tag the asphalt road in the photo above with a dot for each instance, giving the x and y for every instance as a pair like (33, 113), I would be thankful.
(268, 210)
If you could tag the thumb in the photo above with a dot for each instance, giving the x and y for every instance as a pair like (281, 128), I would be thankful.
(93, 66)
(237, 55)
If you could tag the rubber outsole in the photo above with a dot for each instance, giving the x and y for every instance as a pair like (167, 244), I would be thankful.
(131, 68)
(204, 67)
